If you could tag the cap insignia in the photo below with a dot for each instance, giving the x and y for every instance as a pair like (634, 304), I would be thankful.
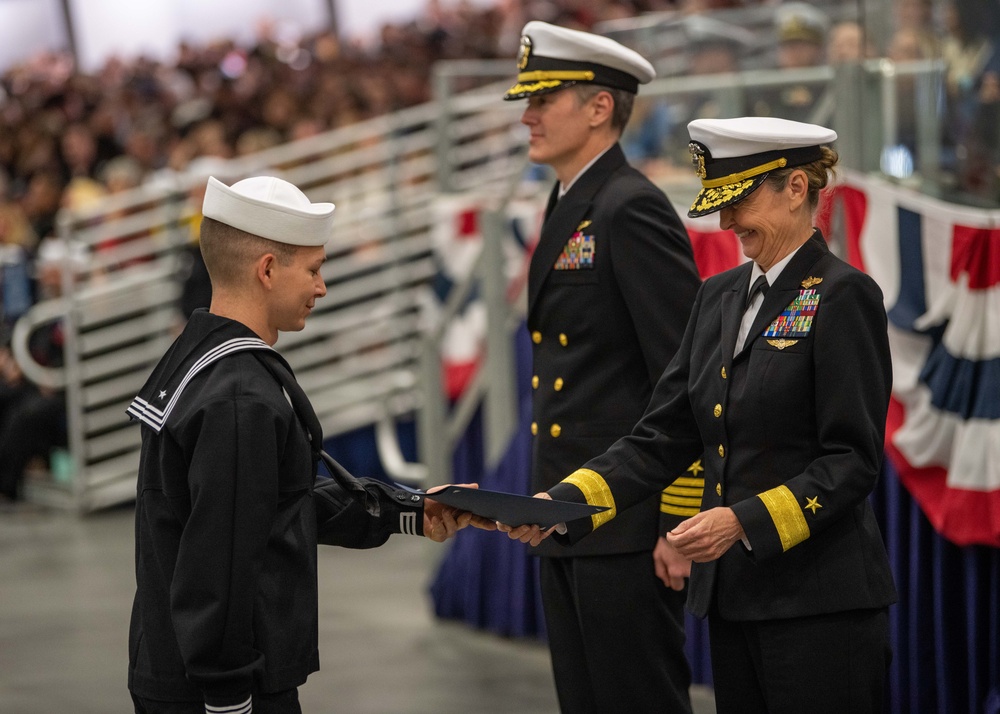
(810, 281)
(697, 158)
(524, 52)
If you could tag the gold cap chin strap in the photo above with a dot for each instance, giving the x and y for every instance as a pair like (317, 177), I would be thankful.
(542, 75)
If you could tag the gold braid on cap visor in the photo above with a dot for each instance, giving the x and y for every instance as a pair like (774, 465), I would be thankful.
(719, 192)
(546, 79)
(744, 175)
(711, 198)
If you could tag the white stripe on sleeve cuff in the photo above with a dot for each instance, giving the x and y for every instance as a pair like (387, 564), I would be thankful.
(244, 708)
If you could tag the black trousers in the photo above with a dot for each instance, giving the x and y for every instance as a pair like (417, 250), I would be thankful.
(616, 636)
(833, 663)
(286, 702)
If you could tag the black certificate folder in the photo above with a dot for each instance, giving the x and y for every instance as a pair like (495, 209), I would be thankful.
(513, 509)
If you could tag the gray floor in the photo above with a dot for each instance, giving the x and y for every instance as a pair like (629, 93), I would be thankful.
(66, 587)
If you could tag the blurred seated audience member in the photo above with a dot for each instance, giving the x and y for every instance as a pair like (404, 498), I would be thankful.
(121, 174)
(257, 139)
(78, 149)
(41, 200)
(801, 32)
(17, 245)
(917, 17)
(980, 175)
(33, 422)
(82, 192)
(210, 139)
(848, 44)
(968, 53)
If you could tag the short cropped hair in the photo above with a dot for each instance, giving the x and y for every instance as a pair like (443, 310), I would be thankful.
(624, 101)
(229, 251)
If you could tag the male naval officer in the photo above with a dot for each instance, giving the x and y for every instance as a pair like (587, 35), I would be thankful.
(610, 287)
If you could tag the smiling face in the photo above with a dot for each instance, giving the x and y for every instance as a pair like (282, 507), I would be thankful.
(296, 285)
(770, 222)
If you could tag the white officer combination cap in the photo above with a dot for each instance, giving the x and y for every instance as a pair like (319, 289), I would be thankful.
(732, 157)
(271, 208)
(553, 57)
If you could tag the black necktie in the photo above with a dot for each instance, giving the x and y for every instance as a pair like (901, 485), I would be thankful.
(759, 284)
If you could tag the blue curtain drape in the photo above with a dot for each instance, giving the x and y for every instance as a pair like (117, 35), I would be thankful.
(945, 628)
(486, 579)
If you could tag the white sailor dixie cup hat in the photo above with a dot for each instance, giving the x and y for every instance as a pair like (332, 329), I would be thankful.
(732, 157)
(269, 207)
(553, 57)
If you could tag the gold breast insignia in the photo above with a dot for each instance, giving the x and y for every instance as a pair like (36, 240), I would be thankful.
(782, 343)
(810, 281)
(583, 225)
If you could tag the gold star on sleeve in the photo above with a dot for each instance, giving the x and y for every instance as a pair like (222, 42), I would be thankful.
(812, 504)
(683, 496)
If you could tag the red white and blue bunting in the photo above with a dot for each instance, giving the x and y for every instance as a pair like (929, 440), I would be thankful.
(939, 268)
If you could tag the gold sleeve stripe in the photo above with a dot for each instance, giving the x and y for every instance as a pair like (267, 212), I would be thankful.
(681, 500)
(678, 511)
(677, 491)
(688, 481)
(787, 516)
(595, 489)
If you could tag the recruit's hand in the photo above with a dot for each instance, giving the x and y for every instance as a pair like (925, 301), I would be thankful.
(532, 535)
(706, 536)
(671, 567)
(442, 522)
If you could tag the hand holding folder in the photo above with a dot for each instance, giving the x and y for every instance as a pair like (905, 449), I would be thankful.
(513, 509)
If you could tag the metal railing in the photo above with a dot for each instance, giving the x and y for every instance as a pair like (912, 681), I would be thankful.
(366, 344)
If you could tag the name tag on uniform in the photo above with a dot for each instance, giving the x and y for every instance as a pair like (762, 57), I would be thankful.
(578, 253)
(796, 319)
